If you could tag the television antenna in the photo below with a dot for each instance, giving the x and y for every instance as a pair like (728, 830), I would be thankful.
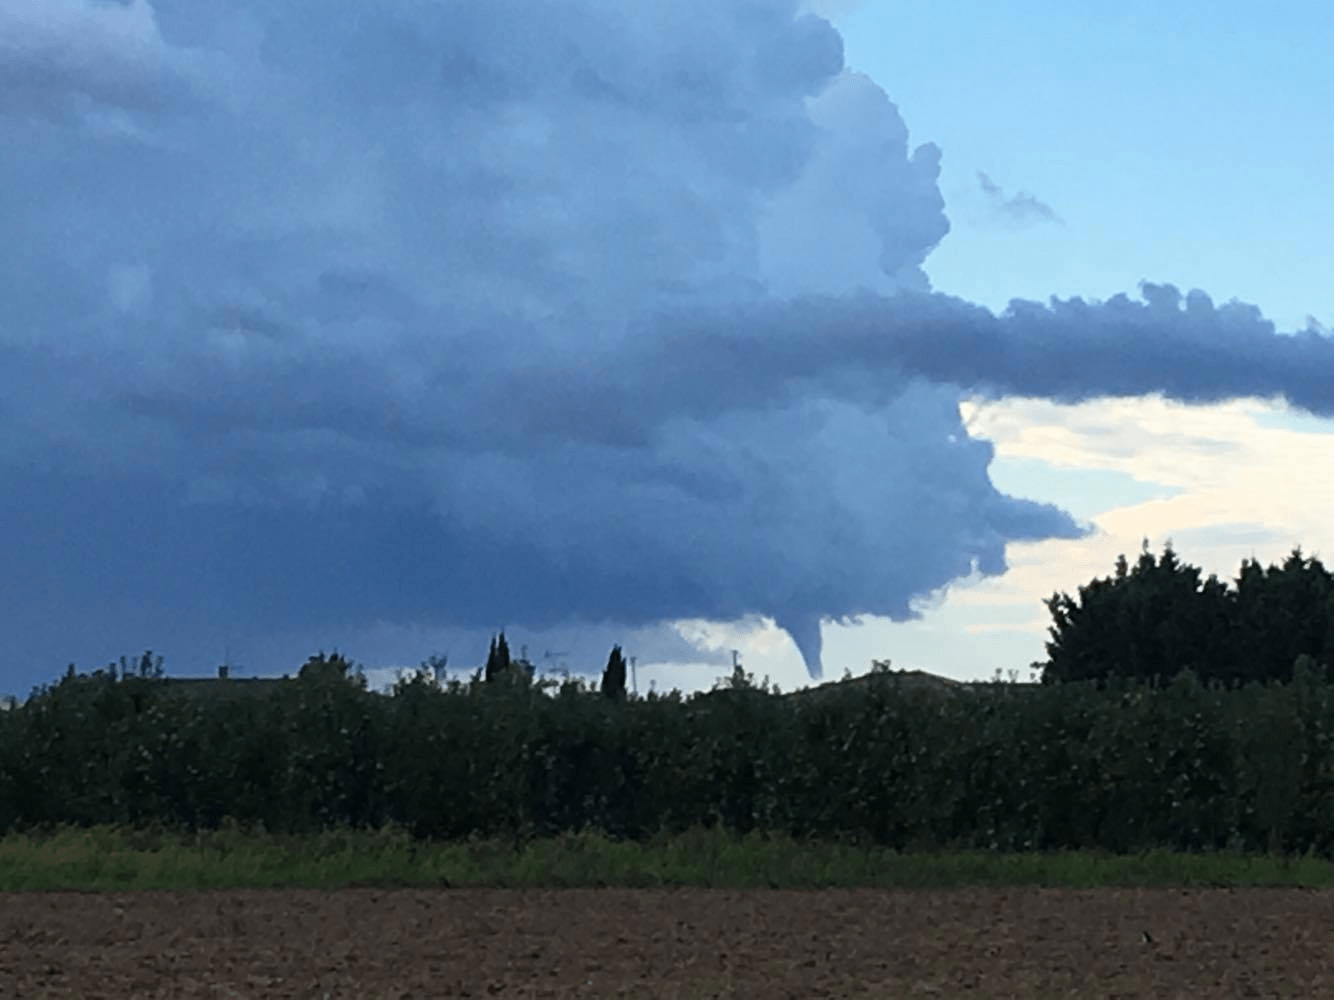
(549, 655)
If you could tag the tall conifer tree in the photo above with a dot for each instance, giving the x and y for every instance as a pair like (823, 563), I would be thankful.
(613, 678)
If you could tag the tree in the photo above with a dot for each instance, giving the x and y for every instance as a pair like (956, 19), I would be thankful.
(613, 677)
(498, 660)
(1158, 618)
(1281, 614)
(1152, 620)
(335, 666)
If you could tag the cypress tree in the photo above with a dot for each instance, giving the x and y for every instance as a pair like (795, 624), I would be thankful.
(498, 660)
(491, 661)
(613, 678)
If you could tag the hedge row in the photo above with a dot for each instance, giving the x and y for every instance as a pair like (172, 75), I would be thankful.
(1123, 766)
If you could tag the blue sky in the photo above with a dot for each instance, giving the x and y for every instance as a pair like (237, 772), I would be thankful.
(1182, 143)
(685, 327)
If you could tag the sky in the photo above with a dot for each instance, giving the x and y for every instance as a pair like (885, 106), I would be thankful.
(822, 334)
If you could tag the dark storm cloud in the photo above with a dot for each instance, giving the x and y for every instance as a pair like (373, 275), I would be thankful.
(369, 315)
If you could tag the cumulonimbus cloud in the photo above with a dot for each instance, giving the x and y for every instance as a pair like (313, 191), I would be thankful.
(510, 312)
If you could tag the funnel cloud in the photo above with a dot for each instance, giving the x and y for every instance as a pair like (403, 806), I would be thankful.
(335, 315)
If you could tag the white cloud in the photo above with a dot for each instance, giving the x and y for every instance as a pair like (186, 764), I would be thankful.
(1248, 490)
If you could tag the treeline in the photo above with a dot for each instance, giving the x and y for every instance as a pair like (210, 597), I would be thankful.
(1122, 766)
(1121, 748)
(1158, 617)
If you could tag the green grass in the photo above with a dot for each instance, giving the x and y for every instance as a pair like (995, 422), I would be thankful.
(104, 858)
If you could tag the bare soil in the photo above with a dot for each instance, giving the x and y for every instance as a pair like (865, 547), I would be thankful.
(446, 943)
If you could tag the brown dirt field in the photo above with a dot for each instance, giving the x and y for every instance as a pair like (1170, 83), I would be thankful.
(365, 943)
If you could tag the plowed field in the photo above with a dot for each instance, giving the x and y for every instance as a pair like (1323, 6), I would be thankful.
(445, 943)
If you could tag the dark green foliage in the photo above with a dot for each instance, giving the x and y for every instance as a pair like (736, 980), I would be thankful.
(1118, 763)
(498, 660)
(501, 668)
(1282, 613)
(335, 667)
(613, 676)
(1158, 618)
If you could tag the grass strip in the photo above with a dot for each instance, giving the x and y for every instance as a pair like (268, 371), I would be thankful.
(100, 859)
